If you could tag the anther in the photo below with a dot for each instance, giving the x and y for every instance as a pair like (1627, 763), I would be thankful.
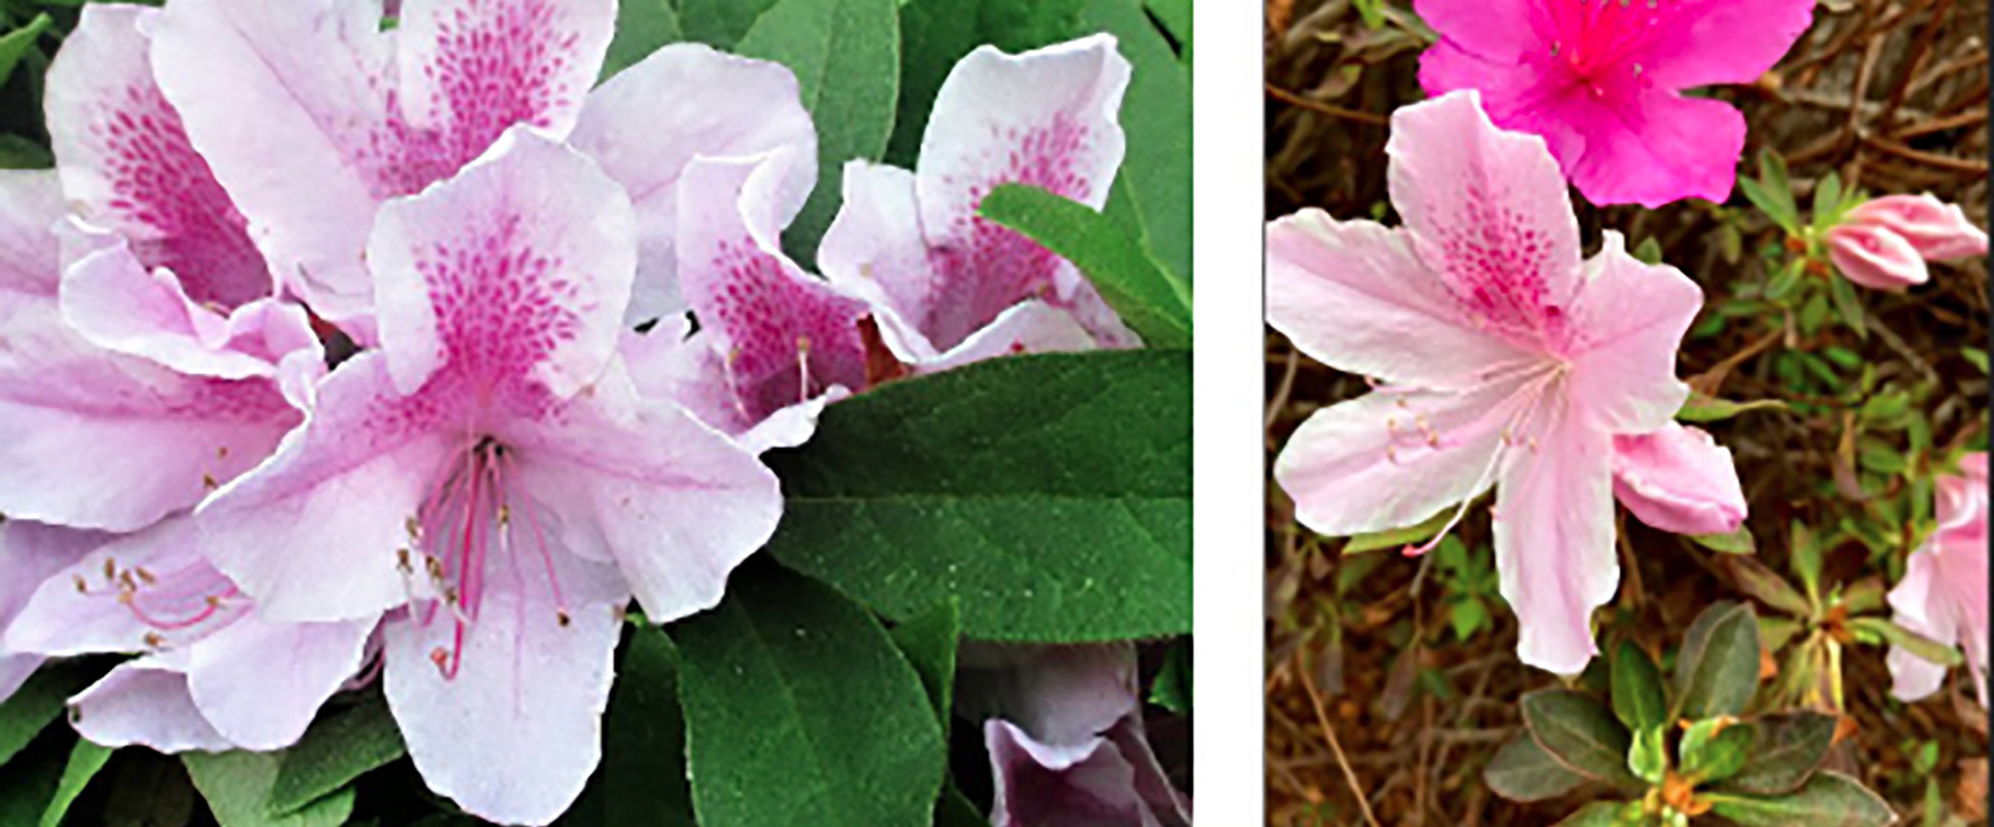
(208, 482)
(402, 561)
(82, 587)
(414, 528)
(439, 656)
(146, 576)
(110, 568)
(562, 616)
(504, 515)
(153, 640)
(1391, 453)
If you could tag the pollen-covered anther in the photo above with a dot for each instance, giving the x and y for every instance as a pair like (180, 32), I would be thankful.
(146, 576)
(82, 586)
(414, 528)
(440, 656)
(561, 615)
(208, 481)
(504, 516)
(402, 562)
(155, 640)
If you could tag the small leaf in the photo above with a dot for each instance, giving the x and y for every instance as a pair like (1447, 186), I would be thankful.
(1790, 746)
(1827, 800)
(1638, 697)
(1172, 688)
(15, 44)
(1788, 278)
(1648, 758)
(1715, 749)
(17, 152)
(1523, 771)
(1923, 647)
(1649, 251)
(1738, 542)
(1848, 305)
(1701, 408)
(1467, 617)
(1399, 537)
(1718, 667)
(1153, 304)
(1580, 733)
(237, 787)
(1595, 814)
(1828, 201)
(1754, 579)
(84, 762)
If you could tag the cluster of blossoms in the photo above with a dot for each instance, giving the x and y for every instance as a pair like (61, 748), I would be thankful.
(1503, 359)
(320, 362)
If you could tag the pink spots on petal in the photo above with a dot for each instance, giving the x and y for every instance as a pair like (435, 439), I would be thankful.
(1495, 260)
(789, 339)
(501, 308)
(165, 199)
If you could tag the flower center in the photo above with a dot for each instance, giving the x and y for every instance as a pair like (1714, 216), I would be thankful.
(1598, 36)
(1518, 432)
(173, 601)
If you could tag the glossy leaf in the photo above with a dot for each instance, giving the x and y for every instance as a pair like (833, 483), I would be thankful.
(1156, 114)
(1150, 301)
(719, 23)
(1717, 669)
(1594, 814)
(1639, 700)
(16, 44)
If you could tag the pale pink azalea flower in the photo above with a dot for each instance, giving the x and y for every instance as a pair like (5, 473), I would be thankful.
(203, 681)
(30, 553)
(1943, 595)
(1875, 257)
(491, 468)
(1883, 243)
(70, 409)
(1508, 362)
(1678, 479)
(947, 287)
(1601, 80)
(1063, 724)
(312, 117)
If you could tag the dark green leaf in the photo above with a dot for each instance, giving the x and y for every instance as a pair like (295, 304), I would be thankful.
(1827, 800)
(1790, 747)
(1716, 748)
(799, 710)
(237, 786)
(1156, 115)
(641, 27)
(37, 702)
(846, 56)
(720, 23)
(955, 810)
(642, 779)
(1917, 644)
(1149, 301)
(937, 33)
(1049, 493)
(1718, 667)
(17, 152)
(1737, 542)
(1754, 579)
(336, 750)
(1172, 689)
(1649, 251)
(84, 762)
(27, 784)
(15, 45)
(1638, 698)
(1701, 408)
(1523, 771)
(1580, 733)
(929, 641)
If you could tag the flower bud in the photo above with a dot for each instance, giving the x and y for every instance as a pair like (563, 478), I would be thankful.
(1875, 257)
(1678, 479)
(1936, 229)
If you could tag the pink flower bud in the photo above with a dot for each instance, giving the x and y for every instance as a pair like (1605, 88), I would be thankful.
(1936, 229)
(1875, 256)
(1678, 479)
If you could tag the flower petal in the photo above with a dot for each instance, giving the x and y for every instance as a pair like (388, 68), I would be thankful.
(1702, 42)
(1626, 326)
(144, 703)
(1937, 230)
(260, 708)
(1651, 146)
(875, 249)
(471, 69)
(1922, 606)
(1393, 459)
(1488, 212)
(1030, 326)
(1503, 30)
(30, 554)
(363, 461)
(126, 163)
(1678, 479)
(1554, 539)
(1060, 695)
(131, 593)
(645, 124)
(515, 733)
(1093, 786)
(785, 336)
(518, 267)
(1353, 295)
(1876, 257)
(30, 257)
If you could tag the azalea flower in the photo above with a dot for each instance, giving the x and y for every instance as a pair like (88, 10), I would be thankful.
(30, 553)
(947, 287)
(1883, 243)
(204, 680)
(491, 470)
(1507, 361)
(1943, 595)
(1601, 80)
(1064, 728)
(312, 116)
(1678, 479)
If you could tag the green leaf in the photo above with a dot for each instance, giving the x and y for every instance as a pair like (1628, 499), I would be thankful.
(1638, 698)
(1737, 542)
(1649, 251)
(1148, 300)
(1467, 617)
(1828, 800)
(955, 810)
(1156, 115)
(1718, 667)
(642, 26)
(1049, 493)
(1754, 579)
(334, 752)
(84, 762)
(1701, 408)
(38, 702)
(1172, 689)
(799, 710)
(937, 33)
(642, 779)
(846, 56)
(1783, 282)
(17, 152)
(1715, 749)
(1923, 647)
(1848, 305)
(1594, 814)
(15, 45)
(928, 640)
(1828, 201)
(1399, 537)
(1523, 771)
(1648, 756)
(719, 23)
(1580, 733)
(1785, 215)
(238, 785)
(30, 782)
(1789, 748)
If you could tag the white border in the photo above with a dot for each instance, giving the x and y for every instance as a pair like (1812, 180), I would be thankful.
(1227, 489)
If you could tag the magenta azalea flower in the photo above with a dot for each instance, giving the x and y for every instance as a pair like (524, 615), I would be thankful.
(491, 468)
(947, 287)
(1509, 362)
(1601, 81)
(1943, 595)
(312, 117)
(204, 681)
